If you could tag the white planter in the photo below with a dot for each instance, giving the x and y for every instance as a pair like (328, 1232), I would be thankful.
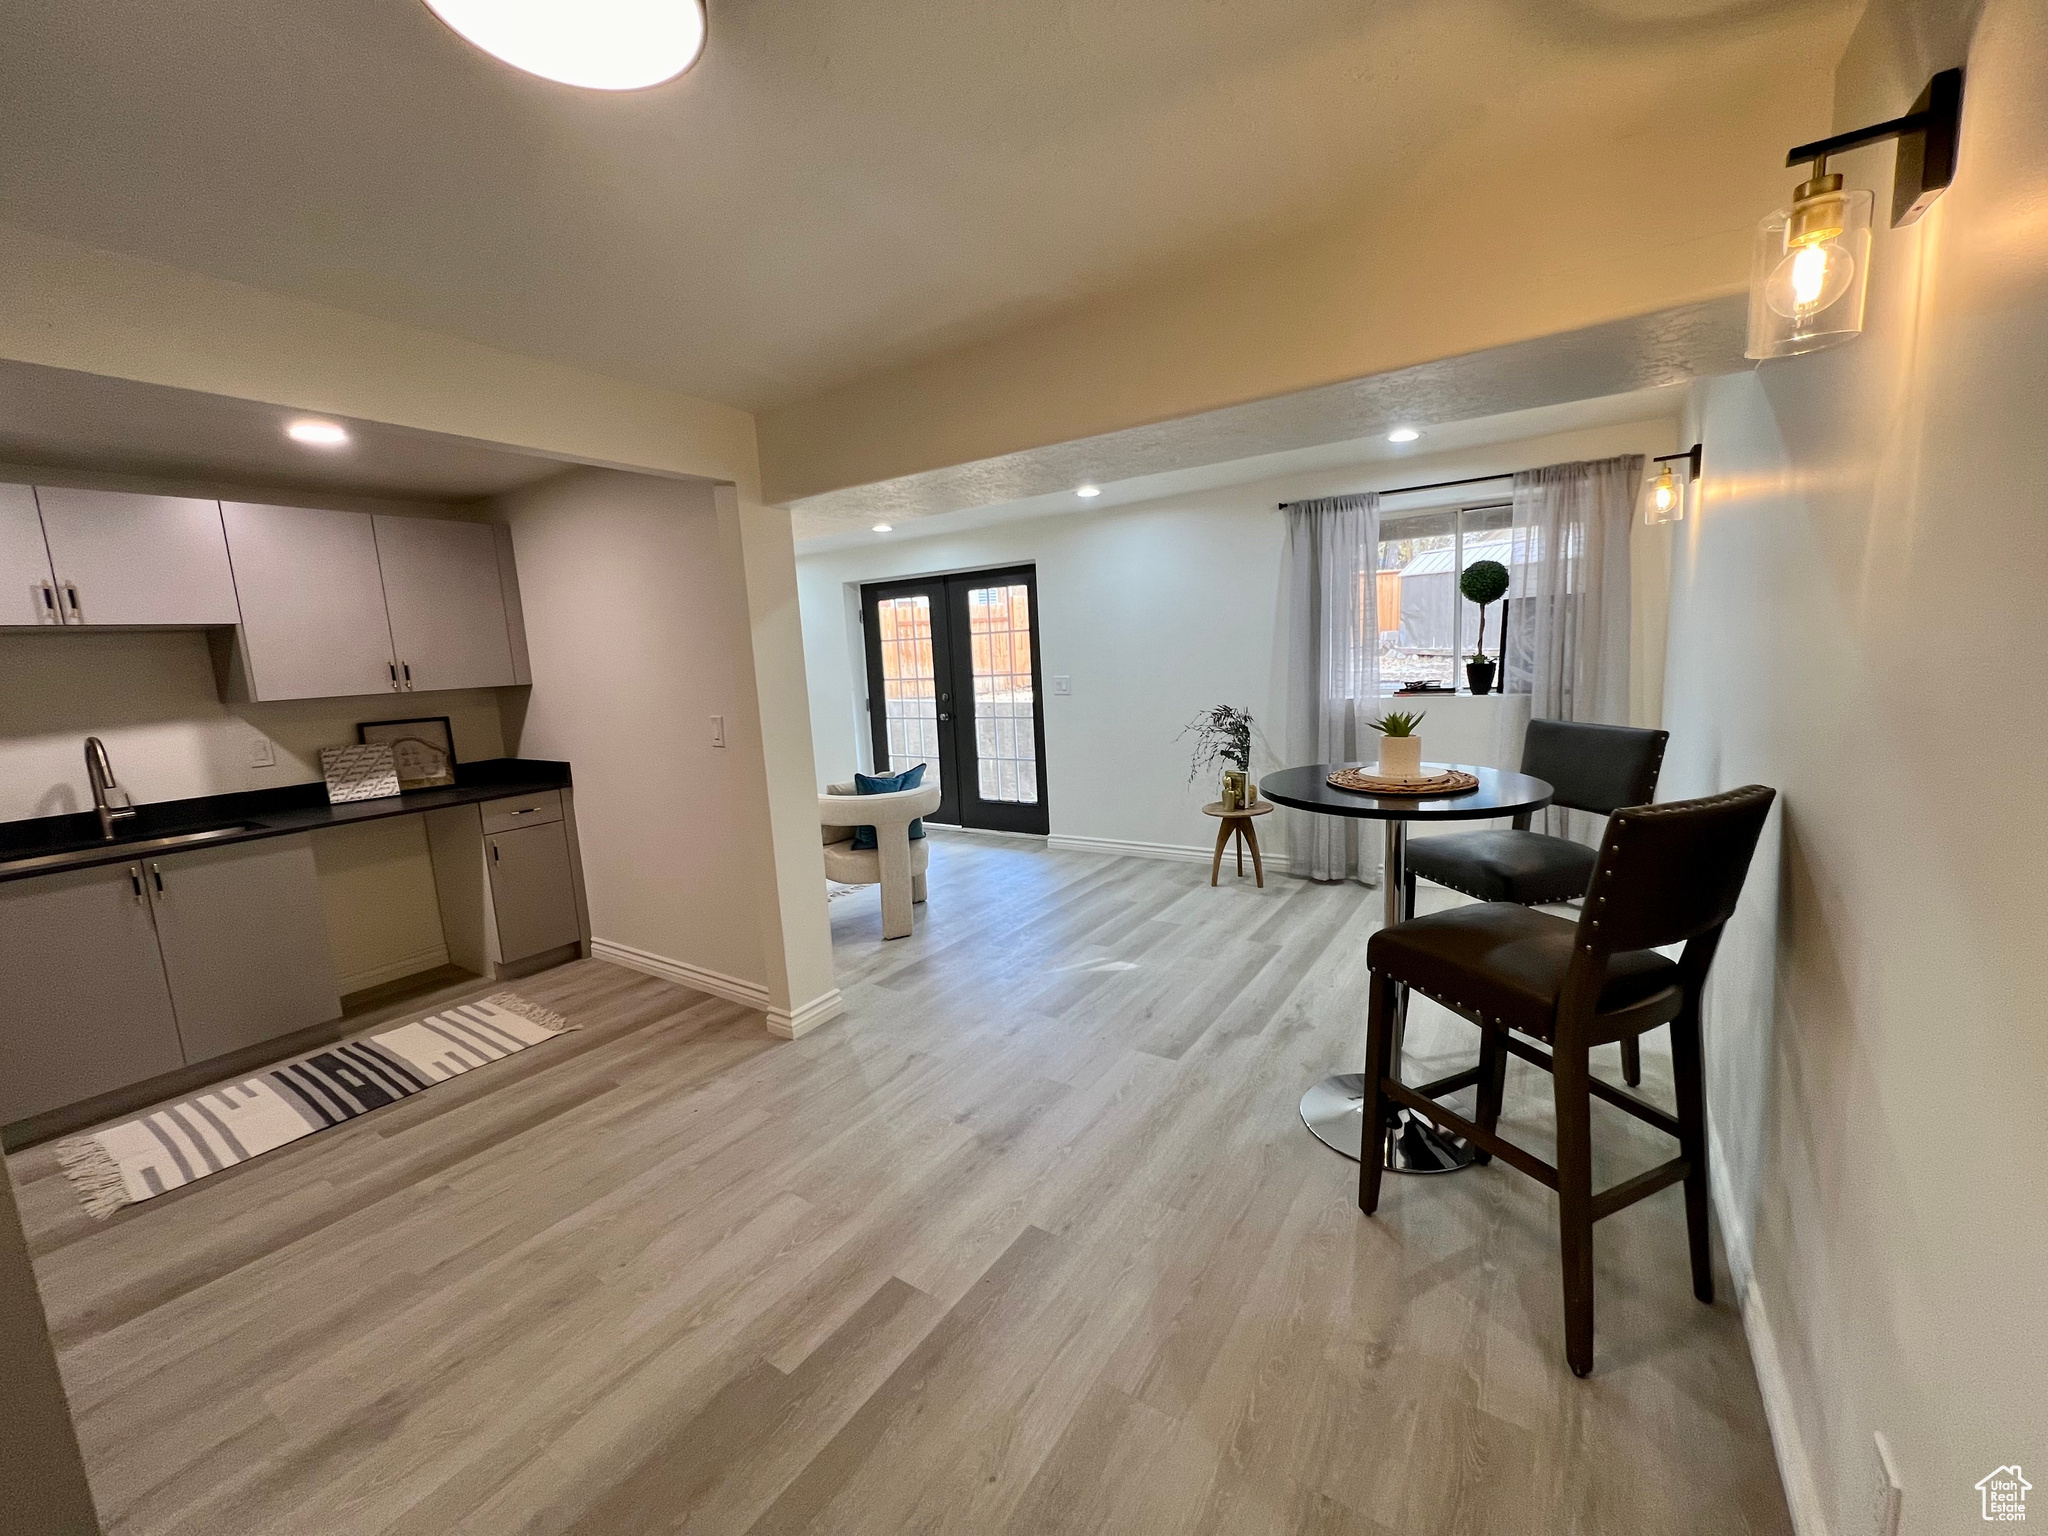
(1401, 757)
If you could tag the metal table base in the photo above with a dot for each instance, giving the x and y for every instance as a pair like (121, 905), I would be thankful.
(1333, 1109)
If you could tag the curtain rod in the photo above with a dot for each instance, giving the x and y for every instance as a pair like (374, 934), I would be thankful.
(1434, 485)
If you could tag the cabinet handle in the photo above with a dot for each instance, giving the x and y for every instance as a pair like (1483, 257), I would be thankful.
(406, 667)
(494, 850)
(135, 879)
(525, 810)
(51, 613)
(71, 593)
(156, 873)
(394, 677)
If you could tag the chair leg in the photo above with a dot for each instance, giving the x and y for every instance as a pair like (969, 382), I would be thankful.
(1688, 1071)
(1379, 1032)
(1575, 1202)
(1632, 1061)
(1493, 1066)
(917, 888)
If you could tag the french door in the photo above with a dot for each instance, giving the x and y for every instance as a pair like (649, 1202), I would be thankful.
(953, 683)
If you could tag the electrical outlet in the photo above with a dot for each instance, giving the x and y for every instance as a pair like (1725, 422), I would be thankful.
(1887, 1495)
(718, 730)
(262, 752)
(1063, 686)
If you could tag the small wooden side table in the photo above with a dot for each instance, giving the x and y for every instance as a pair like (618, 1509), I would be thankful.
(1241, 824)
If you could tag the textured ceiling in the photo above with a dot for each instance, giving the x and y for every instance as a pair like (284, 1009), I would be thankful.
(1595, 363)
(840, 186)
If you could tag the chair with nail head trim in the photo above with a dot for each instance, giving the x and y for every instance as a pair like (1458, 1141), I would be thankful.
(1596, 768)
(1665, 874)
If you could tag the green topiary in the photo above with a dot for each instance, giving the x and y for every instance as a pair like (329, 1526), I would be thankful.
(1484, 581)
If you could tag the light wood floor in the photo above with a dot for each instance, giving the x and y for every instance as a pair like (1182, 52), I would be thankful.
(1032, 1240)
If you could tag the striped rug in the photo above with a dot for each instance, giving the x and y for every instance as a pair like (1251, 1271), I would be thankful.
(230, 1123)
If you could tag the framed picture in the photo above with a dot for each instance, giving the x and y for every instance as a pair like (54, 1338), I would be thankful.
(423, 749)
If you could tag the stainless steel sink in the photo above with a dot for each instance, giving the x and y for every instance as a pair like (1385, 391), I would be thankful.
(109, 853)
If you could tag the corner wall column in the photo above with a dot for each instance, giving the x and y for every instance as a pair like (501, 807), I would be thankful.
(40, 1466)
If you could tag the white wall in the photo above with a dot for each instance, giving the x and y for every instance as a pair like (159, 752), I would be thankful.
(1857, 619)
(1163, 608)
(634, 626)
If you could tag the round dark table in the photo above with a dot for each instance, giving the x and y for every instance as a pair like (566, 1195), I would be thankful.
(1333, 1108)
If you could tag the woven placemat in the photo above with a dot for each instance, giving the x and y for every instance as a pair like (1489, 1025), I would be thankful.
(1451, 781)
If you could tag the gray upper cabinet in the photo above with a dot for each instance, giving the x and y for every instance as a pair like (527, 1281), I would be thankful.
(122, 558)
(312, 597)
(442, 589)
(244, 943)
(86, 1008)
(28, 589)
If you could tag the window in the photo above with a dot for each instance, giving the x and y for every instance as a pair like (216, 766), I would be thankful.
(1427, 629)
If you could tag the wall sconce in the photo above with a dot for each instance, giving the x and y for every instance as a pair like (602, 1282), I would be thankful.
(1811, 265)
(1664, 493)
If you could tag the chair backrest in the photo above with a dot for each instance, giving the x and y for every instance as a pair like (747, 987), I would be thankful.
(1669, 873)
(1597, 768)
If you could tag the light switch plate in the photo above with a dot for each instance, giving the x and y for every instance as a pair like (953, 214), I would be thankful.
(1887, 1495)
(1063, 685)
(718, 730)
(262, 752)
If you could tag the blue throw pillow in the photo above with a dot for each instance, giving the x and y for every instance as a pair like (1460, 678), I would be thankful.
(887, 784)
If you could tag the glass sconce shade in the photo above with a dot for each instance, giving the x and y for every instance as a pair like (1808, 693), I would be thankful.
(1664, 495)
(1809, 273)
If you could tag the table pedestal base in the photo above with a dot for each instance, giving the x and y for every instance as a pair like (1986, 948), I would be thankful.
(1334, 1110)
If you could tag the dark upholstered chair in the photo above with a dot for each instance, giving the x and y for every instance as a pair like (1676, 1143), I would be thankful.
(1597, 768)
(1666, 874)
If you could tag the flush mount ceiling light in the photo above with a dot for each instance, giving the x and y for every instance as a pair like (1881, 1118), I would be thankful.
(317, 434)
(1810, 270)
(884, 528)
(1403, 435)
(1664, 492)
(1087, 491)
(601, 45)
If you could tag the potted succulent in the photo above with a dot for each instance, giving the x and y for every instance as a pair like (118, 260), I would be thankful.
(1224, 735)
(1400, 747)
(1484, 581)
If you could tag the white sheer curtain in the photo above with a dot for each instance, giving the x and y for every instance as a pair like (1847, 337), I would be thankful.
(1567, 626)
(1333, 669)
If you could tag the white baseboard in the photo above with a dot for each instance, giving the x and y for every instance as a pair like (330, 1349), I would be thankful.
(750, 994)
(409, 965)
(1795, 1467)
(1176, 853)
(822, 1009)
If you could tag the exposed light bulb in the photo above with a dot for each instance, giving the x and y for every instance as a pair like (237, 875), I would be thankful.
(601, 45)
(1403, 435)
(317, 434)
(1664, 498)
(884, 528)
(1086, 492)
(1809, 279)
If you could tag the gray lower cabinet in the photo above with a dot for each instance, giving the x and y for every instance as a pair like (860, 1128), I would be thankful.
(244, 943)
(533, 891)
(85, 1008)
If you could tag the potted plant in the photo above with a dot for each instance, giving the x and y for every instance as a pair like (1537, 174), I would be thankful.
(1224, 735)
(1400, 747)
(1484, 581)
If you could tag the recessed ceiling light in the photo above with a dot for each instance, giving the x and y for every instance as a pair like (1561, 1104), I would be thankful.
(602, 45)
(317, 434)
(884, 528)
(1086, 491)
(1403, 435)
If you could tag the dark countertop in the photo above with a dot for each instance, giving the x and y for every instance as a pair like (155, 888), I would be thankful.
(261, 813)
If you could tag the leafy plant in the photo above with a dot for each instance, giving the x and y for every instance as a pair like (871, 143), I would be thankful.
(1222, 735)
(1399, 722)
(1484, 581)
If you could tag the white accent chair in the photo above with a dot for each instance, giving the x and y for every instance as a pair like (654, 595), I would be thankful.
(896, 863)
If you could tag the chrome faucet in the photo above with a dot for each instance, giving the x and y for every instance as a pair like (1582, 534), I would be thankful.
(101, 772)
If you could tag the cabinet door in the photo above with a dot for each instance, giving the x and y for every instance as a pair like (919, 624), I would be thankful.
(531, 890)
(85, 1008)
(244, 943)
(28, 592)
(447, 607)
(126, 559)
(312, 600)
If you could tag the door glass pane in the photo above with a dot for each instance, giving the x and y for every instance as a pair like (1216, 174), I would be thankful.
(909, 694)
(1418, 598)
(999, 627)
